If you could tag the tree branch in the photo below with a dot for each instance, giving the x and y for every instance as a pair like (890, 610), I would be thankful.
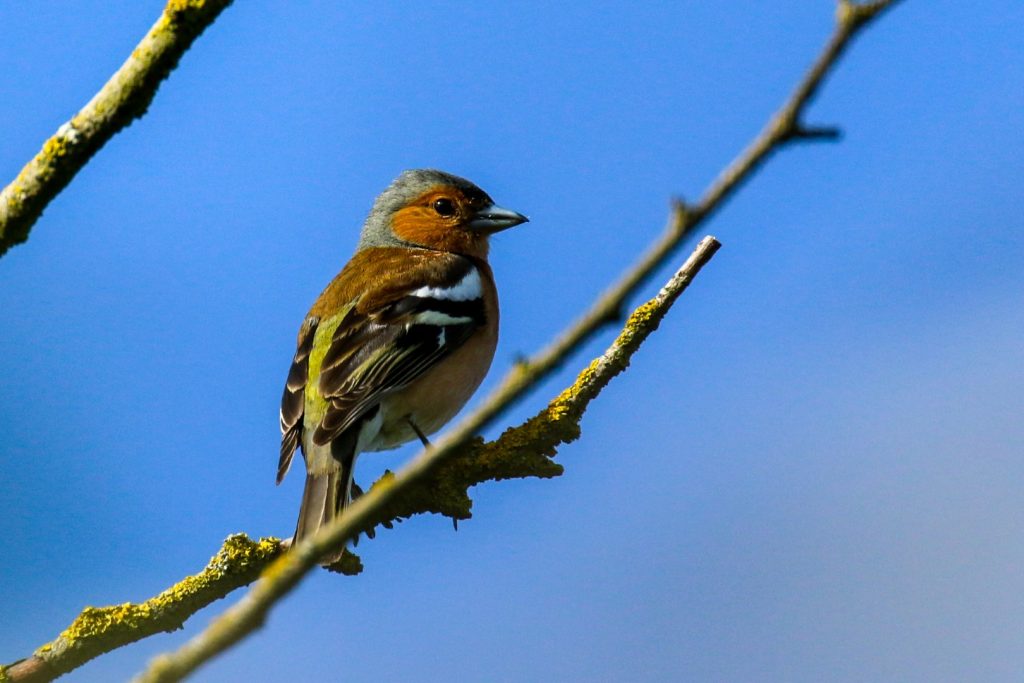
(516, 454)
(444, 491)
(551, 427)
(99, 630)
(122, 99)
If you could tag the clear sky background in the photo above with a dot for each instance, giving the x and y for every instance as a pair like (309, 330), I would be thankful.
(813, 471)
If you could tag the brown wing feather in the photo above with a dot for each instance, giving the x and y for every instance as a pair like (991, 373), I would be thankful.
(293, 400)
(404, 356)
(379, 347)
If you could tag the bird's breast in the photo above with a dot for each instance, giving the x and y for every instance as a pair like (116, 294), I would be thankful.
(434, 398)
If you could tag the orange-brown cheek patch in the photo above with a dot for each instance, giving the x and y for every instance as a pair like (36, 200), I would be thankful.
(420, 225)
(417, 224)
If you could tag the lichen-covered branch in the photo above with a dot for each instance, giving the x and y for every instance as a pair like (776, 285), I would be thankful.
(556, 424)
(101, 629)
(122, 99)
(785, 126)
(240, 560)
(520, 452)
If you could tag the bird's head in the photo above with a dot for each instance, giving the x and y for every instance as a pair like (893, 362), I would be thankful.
(435, 210)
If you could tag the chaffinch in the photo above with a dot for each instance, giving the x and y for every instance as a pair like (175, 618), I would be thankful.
(397, 343)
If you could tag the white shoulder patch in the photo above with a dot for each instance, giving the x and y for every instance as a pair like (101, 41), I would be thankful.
(468, 288)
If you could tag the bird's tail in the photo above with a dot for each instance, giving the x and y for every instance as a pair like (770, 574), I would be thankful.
(325, 496)
(321, 503)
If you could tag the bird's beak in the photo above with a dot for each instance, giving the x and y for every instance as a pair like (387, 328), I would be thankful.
(493, 218)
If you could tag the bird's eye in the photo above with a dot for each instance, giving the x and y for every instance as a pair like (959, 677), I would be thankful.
(444, 207)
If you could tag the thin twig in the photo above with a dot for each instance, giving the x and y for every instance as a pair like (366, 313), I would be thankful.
(122, 99)
(287, 571)
(785, 126)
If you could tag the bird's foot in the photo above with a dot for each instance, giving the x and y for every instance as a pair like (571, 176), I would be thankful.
(419, 432)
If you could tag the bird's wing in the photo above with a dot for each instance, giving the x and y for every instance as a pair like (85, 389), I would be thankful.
(293, 400)
(394, 334)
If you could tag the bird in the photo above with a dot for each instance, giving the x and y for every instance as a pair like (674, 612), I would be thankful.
(398, 341)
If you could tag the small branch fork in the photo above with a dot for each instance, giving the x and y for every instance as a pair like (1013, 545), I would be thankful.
(784, 127)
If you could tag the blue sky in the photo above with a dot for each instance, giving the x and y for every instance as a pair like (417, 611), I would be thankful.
(812, 472)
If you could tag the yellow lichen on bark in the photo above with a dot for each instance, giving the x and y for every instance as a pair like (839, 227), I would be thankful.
(237, 562)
